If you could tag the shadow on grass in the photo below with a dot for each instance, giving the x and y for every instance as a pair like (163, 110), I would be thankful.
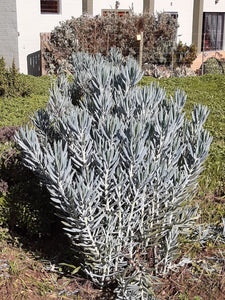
(25, 209)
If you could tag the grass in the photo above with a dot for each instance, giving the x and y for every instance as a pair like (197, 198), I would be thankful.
(25, 276)
(16, 111)
(208, 90)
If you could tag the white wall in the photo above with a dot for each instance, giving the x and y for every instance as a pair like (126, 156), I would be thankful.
(184, 8)
(31, 23)
(210, 6)
(124, 4)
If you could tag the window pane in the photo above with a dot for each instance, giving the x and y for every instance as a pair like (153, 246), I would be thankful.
(213, 31)
(206, 38)
(50, 6)
(219, 39)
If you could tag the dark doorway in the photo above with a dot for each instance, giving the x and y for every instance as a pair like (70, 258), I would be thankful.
(34, 63)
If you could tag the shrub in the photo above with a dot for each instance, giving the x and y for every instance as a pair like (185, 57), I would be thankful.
(184, 55)
(37, 85)
(121, 168)
(9, 85)
(7, 133)
(213, 66)
(17, 110)
(13, 84)
(183, 71)
(3, 77)
(100, 34)
(158, 71)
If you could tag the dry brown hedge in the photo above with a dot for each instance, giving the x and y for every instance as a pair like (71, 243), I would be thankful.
(98, 34)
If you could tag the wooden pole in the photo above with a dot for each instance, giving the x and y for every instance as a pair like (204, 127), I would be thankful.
(141, 49)
(172, 59)
(203, 53)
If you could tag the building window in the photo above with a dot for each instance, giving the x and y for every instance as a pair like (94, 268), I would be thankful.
(119, 12)
(212, 36)
(49, 6)
(173, 14)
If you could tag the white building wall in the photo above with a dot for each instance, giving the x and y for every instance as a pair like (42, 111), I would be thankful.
(137, 5)
(184, 8)
(31, 23)
(211, 6)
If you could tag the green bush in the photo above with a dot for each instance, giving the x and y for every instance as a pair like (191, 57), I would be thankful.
(10, 83)
(17, 110)
(100, 34)
(184, 55)
(3, 77)
(13, 84)
(213, 66)
(38, 85)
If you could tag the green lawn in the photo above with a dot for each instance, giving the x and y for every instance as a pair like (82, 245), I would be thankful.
(16, 111)
(208, 90)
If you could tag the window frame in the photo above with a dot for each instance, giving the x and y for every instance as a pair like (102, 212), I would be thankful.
(219, 40)
(55, 10)
(173, 14)
(119, 12)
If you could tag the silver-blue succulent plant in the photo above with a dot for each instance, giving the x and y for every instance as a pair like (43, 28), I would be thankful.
(121, 168)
